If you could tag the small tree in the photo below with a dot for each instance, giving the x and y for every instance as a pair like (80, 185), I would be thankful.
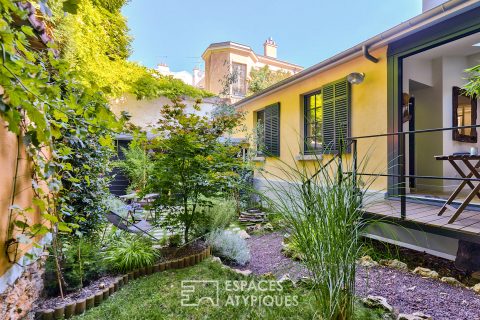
(191, 164)
(264, 77)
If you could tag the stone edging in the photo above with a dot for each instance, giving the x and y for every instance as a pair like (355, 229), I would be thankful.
(80, 306)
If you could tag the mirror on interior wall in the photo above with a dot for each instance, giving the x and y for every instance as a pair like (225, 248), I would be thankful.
(464, 114)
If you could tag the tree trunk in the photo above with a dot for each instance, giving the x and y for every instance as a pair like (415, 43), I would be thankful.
(185, 234)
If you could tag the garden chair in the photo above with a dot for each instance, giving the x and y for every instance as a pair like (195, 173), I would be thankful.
(140, 227)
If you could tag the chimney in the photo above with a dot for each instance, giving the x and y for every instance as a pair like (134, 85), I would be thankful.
(163, 68)
(429, 4)
(270, 48)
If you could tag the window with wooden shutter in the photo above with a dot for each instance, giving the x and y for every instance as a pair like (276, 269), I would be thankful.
(336, 115)
(269, 121)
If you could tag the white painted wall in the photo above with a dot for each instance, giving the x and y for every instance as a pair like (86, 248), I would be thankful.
(428, 114)
(419, 70)
(146, 113)
(422, 80)
(433, 109)
(453, 74)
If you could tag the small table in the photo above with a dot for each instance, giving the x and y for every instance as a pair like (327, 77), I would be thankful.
(472, 162)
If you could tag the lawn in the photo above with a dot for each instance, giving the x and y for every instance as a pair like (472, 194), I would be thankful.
(159, 297)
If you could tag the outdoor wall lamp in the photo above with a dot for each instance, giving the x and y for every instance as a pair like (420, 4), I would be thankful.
(356, 77)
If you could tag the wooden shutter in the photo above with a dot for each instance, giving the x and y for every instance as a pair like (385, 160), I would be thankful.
(336, 115)
(272, 130)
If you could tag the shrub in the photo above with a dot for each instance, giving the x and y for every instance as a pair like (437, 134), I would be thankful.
(229, 245)
(219, 215)
(130, 252)
(175, 240)
(80, 261)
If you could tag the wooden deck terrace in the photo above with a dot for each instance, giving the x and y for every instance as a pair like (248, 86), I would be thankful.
(423, 216)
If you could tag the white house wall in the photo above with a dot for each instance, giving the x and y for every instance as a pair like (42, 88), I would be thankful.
(146, 113)
(453, 69)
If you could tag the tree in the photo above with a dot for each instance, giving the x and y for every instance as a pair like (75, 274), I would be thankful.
(264, 77)
(191, 165)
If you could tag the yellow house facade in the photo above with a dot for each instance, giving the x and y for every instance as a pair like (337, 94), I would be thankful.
(368, 105)
(396, 97)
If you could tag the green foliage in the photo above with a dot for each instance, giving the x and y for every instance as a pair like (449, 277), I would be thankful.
(85, 186)
(218, 215)
(191, 165)
(323, 215)
(110, 5)
(129, 252)
(96, 41)
(473, 85)
(137, 166)
(175, 240)
(264, 77)
(81, 263)
(153, 85)
(56, 117)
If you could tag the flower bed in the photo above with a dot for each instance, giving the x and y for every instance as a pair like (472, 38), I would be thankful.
(79, 306)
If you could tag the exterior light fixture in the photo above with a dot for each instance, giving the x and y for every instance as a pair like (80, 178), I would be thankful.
(476, 45)
(356, 77)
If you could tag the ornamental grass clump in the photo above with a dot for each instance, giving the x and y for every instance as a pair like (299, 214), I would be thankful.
(130, 252)
(321, 208)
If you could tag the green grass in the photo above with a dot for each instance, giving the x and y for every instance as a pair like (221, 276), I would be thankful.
(159, 297)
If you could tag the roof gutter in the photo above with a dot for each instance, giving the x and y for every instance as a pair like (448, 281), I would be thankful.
(422, 21)
(367, 54)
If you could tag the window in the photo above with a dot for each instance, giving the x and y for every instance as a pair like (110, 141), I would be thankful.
(313, 122)
(327, 118)
(239, 86)
(268, 123)
(464, 114)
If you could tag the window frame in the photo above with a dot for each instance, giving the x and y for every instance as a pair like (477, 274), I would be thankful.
(237, 80)
(306, 111)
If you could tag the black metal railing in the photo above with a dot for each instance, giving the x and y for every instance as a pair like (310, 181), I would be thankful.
(401, 159)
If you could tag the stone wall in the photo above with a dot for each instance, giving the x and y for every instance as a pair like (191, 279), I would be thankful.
(22, 284)
(17, 300)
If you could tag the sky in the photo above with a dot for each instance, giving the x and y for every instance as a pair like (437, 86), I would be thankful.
(177, 32)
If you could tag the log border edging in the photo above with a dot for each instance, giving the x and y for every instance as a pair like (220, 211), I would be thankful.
(97, 298)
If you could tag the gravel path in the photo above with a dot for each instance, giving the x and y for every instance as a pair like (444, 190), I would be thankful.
(407, 292)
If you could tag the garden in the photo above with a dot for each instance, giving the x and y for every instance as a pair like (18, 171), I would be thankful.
(192, 238)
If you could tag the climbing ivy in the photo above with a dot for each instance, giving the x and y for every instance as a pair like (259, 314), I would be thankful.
(50, 110)
(95, 41)
(152, 85)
